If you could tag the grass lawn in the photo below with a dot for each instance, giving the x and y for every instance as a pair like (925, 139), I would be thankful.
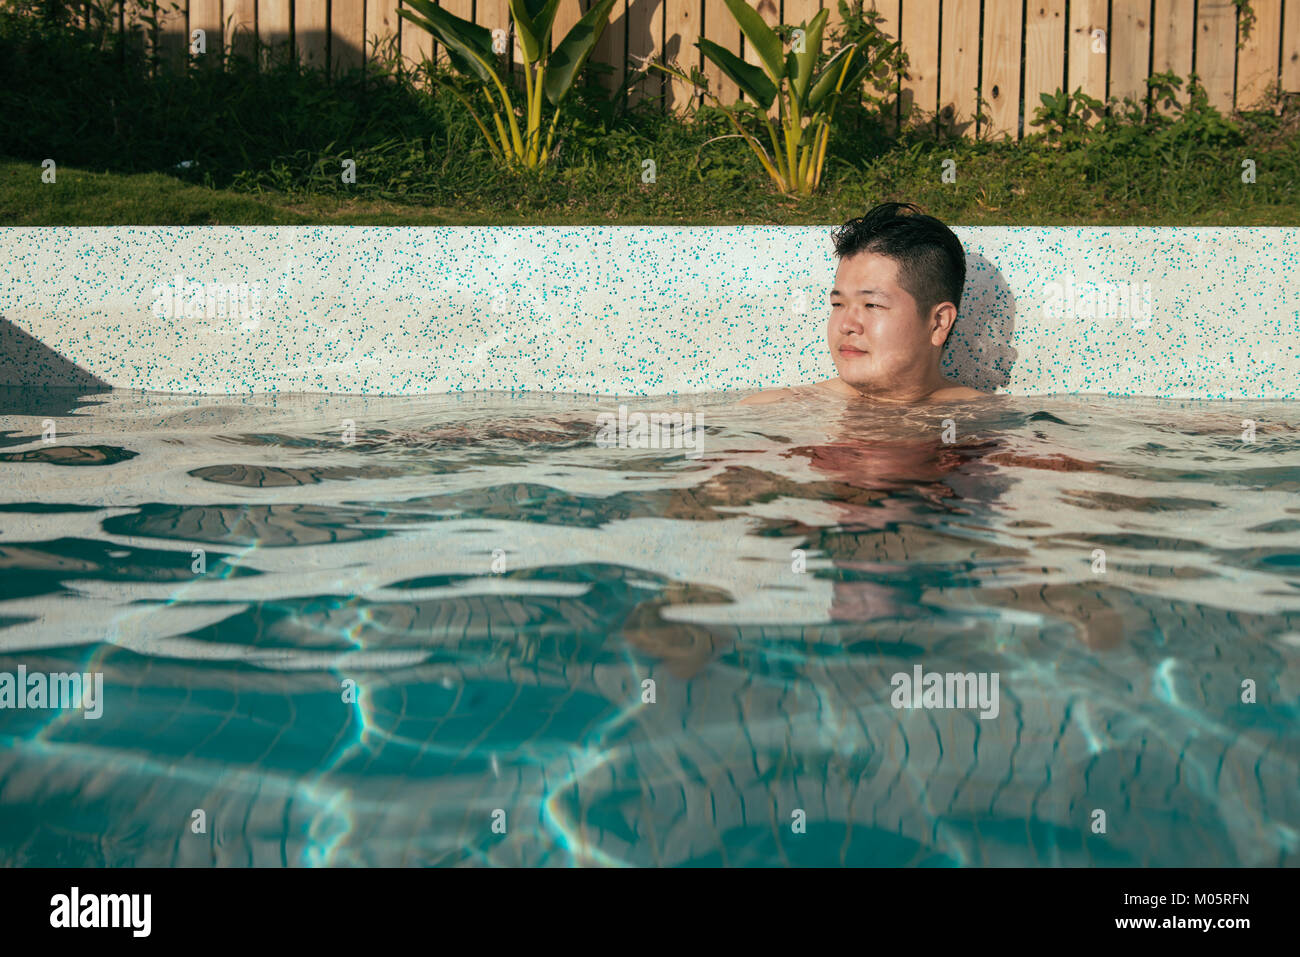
(82, 197)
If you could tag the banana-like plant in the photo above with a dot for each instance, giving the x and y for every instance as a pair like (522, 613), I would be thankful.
(806, 102)
(470, 49)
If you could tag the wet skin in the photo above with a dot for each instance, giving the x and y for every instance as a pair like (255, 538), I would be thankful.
(885, 348)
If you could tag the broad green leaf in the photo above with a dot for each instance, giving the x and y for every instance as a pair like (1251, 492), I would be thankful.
(533, 20)
(471, 34)
(456, 52)
(853, 79)
(466, 42)
(806, 62)
(760, 36)
(830, 77)
(568, 58)
(544, 20)
(747, 76)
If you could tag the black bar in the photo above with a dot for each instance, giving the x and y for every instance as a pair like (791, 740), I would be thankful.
(932, 906)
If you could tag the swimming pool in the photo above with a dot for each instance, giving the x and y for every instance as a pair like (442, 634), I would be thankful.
(356, 630)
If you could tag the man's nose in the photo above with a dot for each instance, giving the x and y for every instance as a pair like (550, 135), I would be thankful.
(851, 319)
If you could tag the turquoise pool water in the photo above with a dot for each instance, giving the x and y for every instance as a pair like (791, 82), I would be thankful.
(423, 639)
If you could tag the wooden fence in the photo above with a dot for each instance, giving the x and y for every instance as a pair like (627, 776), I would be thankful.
(1006, 52)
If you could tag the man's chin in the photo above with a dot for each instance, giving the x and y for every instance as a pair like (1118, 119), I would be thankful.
(860, 385)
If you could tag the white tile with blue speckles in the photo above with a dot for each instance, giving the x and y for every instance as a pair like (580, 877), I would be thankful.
(629, 310)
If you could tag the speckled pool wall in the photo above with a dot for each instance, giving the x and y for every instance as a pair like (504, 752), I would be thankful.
(627, 310)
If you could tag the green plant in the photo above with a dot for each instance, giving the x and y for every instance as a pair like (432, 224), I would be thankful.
(1065, 115)
(1245, 22)
(1162, 90)
(471, 52)
(1079, 120)
(860, 25)
(806, 90)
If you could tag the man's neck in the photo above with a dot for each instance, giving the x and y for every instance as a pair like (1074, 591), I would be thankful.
(902, 392)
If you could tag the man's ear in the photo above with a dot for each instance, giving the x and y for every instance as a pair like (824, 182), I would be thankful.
(942, 318)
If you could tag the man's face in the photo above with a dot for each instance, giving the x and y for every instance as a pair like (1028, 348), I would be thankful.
(877, 335)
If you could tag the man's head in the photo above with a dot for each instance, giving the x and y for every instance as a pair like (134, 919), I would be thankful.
(895, 298)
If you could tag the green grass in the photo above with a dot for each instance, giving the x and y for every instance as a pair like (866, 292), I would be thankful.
(267, 144)
(999, 187)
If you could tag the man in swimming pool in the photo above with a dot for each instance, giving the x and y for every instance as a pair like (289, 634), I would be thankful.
(893, 306)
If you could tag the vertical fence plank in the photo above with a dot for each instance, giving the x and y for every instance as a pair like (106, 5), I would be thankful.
(383, 28)
(567, 14)
(347, 34)
(311, 33)
(171, 40)
(1173, 29)
(1044, 53)
(645, 44)
(417, 45)
(1000, 86)
(919, 97)
(274, 27)
(611, 47)
(1291, 47)
(1087, 66)
(889, 11)
(721, 27)
(492, 15)
(1171, 48)
(833, 18)
(795, 12)
(1216, 49)
(959, 65)
(205, 15)
(1130, 48)
(681, 30)
(1257, 61)
(241, 27)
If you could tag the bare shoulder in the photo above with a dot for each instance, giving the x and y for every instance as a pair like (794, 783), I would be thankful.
(957, 393)
(825, 388)
(768, 396)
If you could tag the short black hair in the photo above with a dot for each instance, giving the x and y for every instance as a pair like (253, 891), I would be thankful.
(931, 261)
